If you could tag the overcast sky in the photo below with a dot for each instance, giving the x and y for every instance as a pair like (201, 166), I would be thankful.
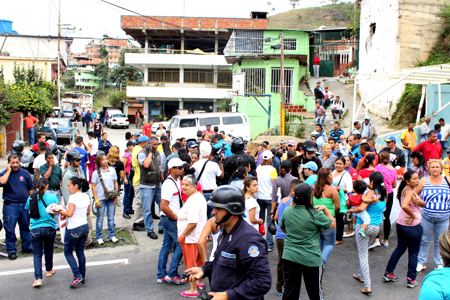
(40, 17)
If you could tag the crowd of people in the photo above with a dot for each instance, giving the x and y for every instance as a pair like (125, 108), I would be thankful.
(297, 196)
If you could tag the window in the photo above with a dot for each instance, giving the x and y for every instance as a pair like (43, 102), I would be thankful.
(288, 80)
(198, 76)
(232, 120)
(164, 75)
(372, 29)
(213, 121)
(224, 79)
(290, 44)
(249, 41)
(188, 123)
(255, 81)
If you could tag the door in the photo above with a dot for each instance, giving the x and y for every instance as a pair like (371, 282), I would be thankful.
(326, 68)
(12, 130)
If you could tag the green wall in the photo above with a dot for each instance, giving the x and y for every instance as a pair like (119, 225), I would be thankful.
(86, 75)
(301, 36)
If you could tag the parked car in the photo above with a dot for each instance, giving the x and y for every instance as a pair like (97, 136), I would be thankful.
(234, 124)
(62, 132)
(68, 114)
(117, 119)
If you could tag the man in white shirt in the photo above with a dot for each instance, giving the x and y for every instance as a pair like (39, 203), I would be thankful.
(425, 128)
(40, 159)
(170, 205)
(206, 171)
(53, 124)
(445, 132)
(337, 107)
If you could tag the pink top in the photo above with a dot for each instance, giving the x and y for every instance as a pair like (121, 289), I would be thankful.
(129, 159)
(403, 215)
(389, 177)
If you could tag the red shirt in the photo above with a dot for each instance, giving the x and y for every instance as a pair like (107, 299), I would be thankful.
(316, 61)
(429, 150)
(355, 200)
(30, 121)
(208, 132)
(365, 173)
(147, 130)
(36, 146)
(353, 173)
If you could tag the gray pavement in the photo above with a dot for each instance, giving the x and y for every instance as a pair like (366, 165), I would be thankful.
(137, 279)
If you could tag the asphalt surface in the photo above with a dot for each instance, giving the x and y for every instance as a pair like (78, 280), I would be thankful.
(137, 278)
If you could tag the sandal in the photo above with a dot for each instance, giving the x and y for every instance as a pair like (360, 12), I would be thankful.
(358, 278)
(50, 273)
(37, 283)
(366, 291)
(339, 242)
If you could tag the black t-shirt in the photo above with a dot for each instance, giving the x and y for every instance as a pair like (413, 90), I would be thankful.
(118, 166)
(97, 128)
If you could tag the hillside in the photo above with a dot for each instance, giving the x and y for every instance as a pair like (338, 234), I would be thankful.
(331, 16)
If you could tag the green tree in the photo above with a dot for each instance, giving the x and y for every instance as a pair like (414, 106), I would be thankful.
(102, 71)
(68, 79)
(103, 52)
(354, 17)
(115, 99)
(120, 75)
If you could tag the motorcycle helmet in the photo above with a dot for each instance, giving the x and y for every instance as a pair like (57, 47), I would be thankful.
(18, 146)
(73, 154)
(309, 146)
(230, 198)
(237, 144)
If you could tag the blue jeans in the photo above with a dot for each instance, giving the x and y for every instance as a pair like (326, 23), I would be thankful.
(327, 243)
(408, 237)
(76, 239)
(430, 226)
(170, 237)
(444, 145)
(30, 132)
(42, 239)
(319, 120)
(407, 154)
(128, 196)
(266, 207)
(54, 136)
(110, 209)
(209, 209)
(12, 214)
(148, 196)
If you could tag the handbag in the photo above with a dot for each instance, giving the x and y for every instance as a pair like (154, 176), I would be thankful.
(342, 199)
(262, 229)
(109, 194)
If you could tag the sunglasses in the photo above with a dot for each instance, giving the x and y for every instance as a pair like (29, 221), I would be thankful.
(307, 152)
(78, 159)
(179, 168)
(388, 142)
(283, 143)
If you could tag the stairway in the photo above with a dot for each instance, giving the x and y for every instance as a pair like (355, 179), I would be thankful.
(299, 110)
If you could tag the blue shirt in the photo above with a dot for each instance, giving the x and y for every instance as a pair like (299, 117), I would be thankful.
(277, 164)
(84, 158)
(375, 212)
(17, 187)
(311, 180)
(365, 129)
(281, 207)
(227, 147)
(436, 285)
(336, 134)
(46, 219)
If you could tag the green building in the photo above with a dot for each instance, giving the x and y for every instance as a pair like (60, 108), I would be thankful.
(85, 78)
(255, 56)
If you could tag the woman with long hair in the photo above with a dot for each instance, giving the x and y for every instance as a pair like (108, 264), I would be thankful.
(252, 208)
(390, 183)
(409, 230)
(298, 149)
(419, 164)
(103, 204)
(326, 194)
(238, 177)
(302, 257)
(342, 181)
(77, 231)
(378, 192)
(369, 168)
(42, 229)
(115, 162)
(127, 187)
(195, 156)
(435, 192)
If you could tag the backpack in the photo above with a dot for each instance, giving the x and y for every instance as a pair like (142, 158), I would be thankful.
(326, 103)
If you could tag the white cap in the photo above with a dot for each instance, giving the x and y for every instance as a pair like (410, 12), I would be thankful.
(267, 155)
(175, 162)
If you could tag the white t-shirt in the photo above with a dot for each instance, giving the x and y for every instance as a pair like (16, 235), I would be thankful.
(160, 133)
(265, 175)
(238, 183)
(345, 183)
(94, 148)
(251, 203)
(170, 192)
(109, 177)
(193, 211)
(444, 131)
(208, 179)
(81, 201)
(40, 161)
(50, 123)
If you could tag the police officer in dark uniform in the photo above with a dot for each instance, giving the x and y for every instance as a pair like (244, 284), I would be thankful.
(308, 155)
(240, 269)
(231, 163)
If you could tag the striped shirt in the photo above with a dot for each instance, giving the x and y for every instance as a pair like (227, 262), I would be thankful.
(437, 199)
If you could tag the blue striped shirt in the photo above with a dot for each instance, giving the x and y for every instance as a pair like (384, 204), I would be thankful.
(437, 200)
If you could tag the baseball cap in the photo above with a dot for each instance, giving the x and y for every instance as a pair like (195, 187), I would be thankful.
(291, 143)
(130, 143)
(391, 139)
(137, 133)
(143, 138)
(175, 162)
(286, 164)
(192, 144)
(367, 118)
(310, 165)
(267, 155)
(208, 124)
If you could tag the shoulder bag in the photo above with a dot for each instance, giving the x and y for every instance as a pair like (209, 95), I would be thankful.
(179, 192)
(109, 194)
(203, 169)
(34, 205)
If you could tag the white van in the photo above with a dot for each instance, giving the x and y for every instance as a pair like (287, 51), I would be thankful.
(234, 124)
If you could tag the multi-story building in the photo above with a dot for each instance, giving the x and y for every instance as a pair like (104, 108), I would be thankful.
(182, 61)
(85, 78)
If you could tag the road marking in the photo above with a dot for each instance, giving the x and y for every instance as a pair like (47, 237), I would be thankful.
(89, 264)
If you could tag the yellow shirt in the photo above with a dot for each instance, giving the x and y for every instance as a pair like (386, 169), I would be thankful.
(160, 148)
(135, 164)
(446, 163)
(410, 138)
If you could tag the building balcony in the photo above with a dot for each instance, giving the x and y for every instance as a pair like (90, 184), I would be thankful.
(177, 91)
(156, 60)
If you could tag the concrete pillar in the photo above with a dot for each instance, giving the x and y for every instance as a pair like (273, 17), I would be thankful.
(146, 45)
(182, 42)
(181, 74)
(180, 103)
(215, 76)
(216, 45)
(146, 75)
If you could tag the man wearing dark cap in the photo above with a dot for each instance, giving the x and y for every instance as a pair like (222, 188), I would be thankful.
(283, 183)
(192, 146)
(308, 155)
(208, 130)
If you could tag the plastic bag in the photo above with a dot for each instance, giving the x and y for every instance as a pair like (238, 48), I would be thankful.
(262, 229)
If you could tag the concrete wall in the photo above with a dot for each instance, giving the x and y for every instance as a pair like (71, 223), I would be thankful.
(432, 105)
(380, 143)
(45, 65)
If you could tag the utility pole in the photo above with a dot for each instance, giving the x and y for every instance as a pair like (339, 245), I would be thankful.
(59, 56)
(283, 97)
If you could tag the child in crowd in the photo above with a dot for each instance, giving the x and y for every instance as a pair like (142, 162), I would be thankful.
(238, 177)
(252, 208)
(75, 131)
(355, 199)
(418, 161)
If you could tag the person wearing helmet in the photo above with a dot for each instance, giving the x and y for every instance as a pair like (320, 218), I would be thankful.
(232, 163)
(240, 269)
(308, 155)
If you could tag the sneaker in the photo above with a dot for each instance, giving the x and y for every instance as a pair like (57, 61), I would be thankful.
(362, 232)
(200, 285)
(175, 280)
(50, 273)
(346, 235)
(100, 242)
(114, 239)
(37, 283)
(76, 282)
(162, 280)
(420, 267)
(411, 283)
(389, 276)
(189, 295)
(280, 294)
(386, 244)
(270, 249)
(439, 267)
(374, 245)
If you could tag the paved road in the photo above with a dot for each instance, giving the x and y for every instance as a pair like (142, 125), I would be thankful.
(137, 279)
